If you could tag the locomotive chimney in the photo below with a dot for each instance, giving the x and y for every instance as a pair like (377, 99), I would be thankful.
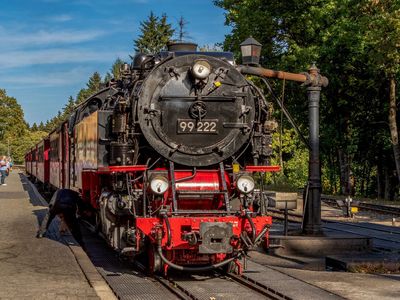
(181, 46)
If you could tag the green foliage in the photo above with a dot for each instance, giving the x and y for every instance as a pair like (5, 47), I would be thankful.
(69, 107)
(356, 45)
(15, 134)
(20, 146)
(156, 32)
(94, 83)
(34, 127)
(115, 71)
(295, 160)
(381, 20)
(11, 117)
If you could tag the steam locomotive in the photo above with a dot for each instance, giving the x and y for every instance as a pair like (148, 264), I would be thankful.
(166, 158)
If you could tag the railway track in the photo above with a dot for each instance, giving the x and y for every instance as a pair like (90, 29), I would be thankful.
(258, 282)
(386, 238)
(269, 292)
(382, 209)
(129, 281)
(217, 285)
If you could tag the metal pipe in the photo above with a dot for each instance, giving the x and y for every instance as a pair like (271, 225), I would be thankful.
(261, 234)
(258, 71)
(188, 177)
(253, 227)
(168, 225)
(173, 186)
(311, 78)
(195, 269)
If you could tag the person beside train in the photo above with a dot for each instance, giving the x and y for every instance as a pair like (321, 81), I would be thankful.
(65, 204)
(4, 167)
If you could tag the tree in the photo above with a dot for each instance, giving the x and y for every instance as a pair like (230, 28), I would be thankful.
(12, 117)
(93, 85)
(155, 34)
(34, 127)
(381, 19)
(115, 71)
(69, 107)
(348, 39)
(41, 126)
(14, 131)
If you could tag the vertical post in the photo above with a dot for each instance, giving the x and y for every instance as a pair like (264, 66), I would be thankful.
(285, 229)
(312, 212)
(173, 186)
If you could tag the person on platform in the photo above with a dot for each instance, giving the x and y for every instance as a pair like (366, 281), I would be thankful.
(3, 170)
(10, 163)
(64, 204)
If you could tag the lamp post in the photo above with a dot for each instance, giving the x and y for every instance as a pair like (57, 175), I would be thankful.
(251, 51)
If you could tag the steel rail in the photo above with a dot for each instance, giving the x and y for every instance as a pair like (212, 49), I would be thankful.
(258, 287)
(175, 287)
(366, 227)
(384, 209)
(364, 234)
(297, 218)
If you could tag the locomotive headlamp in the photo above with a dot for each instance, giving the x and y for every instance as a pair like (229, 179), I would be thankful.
(251, 51)
(245, 184)
(201, 69)
(159, 185)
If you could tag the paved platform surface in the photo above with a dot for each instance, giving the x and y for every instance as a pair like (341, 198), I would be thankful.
(32, 268)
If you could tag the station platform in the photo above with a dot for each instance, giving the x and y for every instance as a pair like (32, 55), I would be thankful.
(34, 268)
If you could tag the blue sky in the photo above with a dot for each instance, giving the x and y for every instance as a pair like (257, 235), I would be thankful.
(49, 48)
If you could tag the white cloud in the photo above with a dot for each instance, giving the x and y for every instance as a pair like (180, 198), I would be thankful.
(14, 59)
(61, 18)
(50, 79)
(10, 39)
